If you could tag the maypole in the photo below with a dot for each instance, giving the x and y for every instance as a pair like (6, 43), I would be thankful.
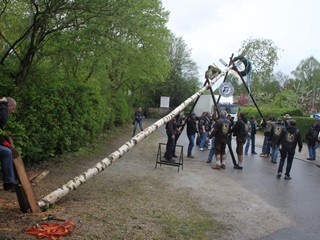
(73, 184)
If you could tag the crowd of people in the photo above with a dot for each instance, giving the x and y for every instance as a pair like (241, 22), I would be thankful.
(214, 132)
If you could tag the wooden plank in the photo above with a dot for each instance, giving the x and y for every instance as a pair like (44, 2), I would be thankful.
(40, 176)
(32, 176)
(25, 183)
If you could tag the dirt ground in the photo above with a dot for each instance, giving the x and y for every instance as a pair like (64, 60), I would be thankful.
(132, 199)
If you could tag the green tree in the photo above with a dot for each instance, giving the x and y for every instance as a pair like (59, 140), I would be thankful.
(263, 55)
(182, 81)
(307, 84)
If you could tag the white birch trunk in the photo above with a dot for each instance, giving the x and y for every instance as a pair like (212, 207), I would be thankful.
(73, 184)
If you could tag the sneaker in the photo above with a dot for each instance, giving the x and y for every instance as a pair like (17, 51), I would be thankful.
(8, 187)
(263, 155)
(223, 166)
(201, 149)
(190, 156)
(310, 159)
(274, 162)
(209, 161)
(254, 153)
(216, 167)
(238, 167)
(286, 177)
(279, 175)
(175, 156)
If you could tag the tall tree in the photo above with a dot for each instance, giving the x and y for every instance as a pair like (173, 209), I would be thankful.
(263, 55)
(182, 80)
(307, 84)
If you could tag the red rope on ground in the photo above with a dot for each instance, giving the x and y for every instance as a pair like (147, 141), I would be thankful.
(53, 231)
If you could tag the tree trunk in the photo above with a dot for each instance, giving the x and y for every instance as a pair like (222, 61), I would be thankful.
(73, 184)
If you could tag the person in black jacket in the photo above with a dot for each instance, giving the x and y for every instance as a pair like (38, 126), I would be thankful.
(289, 138)
(7, 105)
(220, 133)
(312, 139)
(274, 137)
(192, 130)
(171, 134)
(240, 130)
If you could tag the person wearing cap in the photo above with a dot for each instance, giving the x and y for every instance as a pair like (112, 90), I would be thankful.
(286, 118)
(192, 130)
(289, 138)
(7, 106)
(240, 130)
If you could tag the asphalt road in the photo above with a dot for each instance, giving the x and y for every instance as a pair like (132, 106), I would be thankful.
(297, 198)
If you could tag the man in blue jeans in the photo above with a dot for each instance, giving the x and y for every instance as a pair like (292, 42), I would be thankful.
(251, 136)
(7, 105)
(192, 130)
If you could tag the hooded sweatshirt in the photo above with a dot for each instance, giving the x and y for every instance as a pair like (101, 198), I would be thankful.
(290, 137)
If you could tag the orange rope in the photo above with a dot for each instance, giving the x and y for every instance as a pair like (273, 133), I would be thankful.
(52, 231)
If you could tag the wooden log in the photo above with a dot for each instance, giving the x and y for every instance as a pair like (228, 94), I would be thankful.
(40, 176)
(25, 183)
(73, 184)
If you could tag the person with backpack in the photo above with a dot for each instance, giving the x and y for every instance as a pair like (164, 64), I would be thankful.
(312, 139)
(221, 129)
(266, 147)
(274, 137)
(240, 130)
(289, 138)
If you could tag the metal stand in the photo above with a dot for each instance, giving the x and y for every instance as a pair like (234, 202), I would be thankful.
(174, 162)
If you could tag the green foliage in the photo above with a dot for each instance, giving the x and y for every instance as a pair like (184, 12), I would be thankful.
(121, 109)
(71, 64)
(303, 123)
(60, 116)
(285, 99)
(268, 112)
(182, 81)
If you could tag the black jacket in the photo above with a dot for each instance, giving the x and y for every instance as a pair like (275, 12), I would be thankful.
(239, 129)
(191, 126)
(4, 114)
(290, 137)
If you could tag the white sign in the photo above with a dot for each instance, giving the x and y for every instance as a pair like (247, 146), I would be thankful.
(165, 102)
(226, 89)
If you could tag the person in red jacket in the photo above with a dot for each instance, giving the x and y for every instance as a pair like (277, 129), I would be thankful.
(7, 105)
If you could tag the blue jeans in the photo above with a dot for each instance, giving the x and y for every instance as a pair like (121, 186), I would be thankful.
(6, 164)
(274, 154)
(211, 153)
(203, 142)
(266, 145)
(312, 151)
(135, 126)
(191, 143)
(253, 144)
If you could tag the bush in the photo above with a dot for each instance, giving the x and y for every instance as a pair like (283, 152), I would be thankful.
(303, 123)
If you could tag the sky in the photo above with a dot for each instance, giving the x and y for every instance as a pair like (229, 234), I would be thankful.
(215, 29)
